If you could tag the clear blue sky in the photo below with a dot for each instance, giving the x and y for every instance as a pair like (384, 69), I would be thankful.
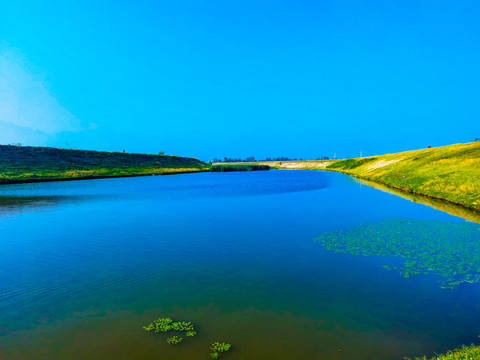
(239, 78)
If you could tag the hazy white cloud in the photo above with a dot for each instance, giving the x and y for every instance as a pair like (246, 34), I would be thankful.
(28, 110)
(12, 134)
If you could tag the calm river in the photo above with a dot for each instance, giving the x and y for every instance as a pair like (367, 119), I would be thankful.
(281, 264)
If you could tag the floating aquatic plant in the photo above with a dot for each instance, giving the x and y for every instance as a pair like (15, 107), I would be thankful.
(149, 327)
(182, 326)
(160, 325)
(219, 348)
(167, 324)
(174, 340)
(451, 250)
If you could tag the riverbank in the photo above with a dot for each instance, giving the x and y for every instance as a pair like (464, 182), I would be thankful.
(450, 173)
(464, 353)
(24, 164)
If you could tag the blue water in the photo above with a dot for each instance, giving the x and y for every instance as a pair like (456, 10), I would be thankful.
(84, 264)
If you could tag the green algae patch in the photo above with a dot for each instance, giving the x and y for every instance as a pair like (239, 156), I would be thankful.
(450, 250)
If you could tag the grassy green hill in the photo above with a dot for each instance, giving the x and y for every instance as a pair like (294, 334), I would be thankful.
(450, 172)
(30, 164)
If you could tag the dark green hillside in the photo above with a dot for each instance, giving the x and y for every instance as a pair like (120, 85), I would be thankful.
(27, 164)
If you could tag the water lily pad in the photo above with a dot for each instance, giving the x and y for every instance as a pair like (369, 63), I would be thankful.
(451, 250)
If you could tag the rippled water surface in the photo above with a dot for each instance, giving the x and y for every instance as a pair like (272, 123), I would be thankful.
(268, 261)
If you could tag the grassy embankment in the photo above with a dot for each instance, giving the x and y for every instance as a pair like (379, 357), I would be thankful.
(463, 353)
(33, 164)
(449, 173)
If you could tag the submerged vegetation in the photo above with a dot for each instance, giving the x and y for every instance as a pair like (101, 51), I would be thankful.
(32, 164)
(238, 167)
(450, 250)
(464, 353)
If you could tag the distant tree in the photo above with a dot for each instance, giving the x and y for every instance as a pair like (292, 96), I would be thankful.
(161, 153)
(477, 139)
(282, 158)
(227, 159)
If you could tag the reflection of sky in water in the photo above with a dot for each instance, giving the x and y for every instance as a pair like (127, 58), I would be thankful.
(442, 205)
(451, 250)
(233, 241)
(174, 186)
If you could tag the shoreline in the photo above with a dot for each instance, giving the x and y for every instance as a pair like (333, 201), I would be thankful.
(439, 204)
(322, 165)
(365, 179)
(44, 180)
(406, 191)
(448, 173)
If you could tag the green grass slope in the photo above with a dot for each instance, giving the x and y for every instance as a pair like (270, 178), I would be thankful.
(29, 164)
(464, 353)
(450, 172)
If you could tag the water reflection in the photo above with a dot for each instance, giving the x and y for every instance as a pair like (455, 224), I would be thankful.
(438, 204)
(80, 277)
